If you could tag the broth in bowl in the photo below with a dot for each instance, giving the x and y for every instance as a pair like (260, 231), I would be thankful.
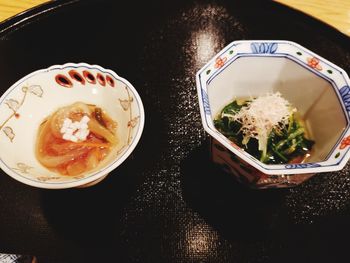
(75, 139)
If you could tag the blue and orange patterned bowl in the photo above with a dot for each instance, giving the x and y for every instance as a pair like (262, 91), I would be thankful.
(34, 97)
(319, 90)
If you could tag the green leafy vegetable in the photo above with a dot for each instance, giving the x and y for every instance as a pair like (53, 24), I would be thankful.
(284, 145)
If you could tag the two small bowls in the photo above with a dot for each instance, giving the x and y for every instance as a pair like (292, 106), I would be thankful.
(319, 90)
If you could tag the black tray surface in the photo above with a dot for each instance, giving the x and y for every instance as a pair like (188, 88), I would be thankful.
(167, 202)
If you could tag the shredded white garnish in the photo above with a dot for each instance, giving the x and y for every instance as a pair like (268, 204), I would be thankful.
(75, 131)
(261, 115)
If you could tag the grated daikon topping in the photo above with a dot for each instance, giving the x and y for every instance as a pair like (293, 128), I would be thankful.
(75, 131)
(261, 115)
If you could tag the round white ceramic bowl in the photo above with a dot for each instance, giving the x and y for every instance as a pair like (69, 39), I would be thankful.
(34, 97)
(319, 90)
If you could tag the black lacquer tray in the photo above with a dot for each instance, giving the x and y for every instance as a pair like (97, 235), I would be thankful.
(168, 202)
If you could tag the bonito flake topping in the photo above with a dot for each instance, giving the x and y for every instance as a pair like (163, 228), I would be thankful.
(261, 115)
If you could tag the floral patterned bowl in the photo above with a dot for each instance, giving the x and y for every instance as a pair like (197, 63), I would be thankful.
(319, 90)
(33, 98)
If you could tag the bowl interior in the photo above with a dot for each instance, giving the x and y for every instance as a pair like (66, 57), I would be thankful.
(32, 99)
(313, 96)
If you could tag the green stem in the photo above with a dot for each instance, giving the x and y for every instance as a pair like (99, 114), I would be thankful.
(279, 154)
(295, 134)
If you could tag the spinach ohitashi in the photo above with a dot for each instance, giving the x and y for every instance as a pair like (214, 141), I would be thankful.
(267, 127)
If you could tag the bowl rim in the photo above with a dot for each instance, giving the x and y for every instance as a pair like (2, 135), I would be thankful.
(97, 174)
(268, 48)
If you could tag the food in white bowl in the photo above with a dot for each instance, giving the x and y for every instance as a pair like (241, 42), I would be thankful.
(317, 89)
(74, 123)
(75, 139)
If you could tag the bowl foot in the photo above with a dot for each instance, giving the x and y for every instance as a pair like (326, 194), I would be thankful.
(92, 183)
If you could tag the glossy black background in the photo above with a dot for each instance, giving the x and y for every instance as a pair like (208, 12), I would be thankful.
(167, 202)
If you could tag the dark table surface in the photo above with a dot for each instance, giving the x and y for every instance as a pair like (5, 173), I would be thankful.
(168, 202)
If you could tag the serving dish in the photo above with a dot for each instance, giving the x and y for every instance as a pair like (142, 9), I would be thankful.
(28, 102)
(317, 88)
(167, 201)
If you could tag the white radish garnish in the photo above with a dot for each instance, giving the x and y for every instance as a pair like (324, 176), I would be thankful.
(75, 131)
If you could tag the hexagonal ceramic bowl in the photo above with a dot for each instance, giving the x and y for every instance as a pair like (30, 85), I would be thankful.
(319, 90)
(34, 97)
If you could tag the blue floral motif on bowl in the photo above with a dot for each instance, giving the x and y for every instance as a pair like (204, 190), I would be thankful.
(345, 95)
(263, 48)
(302, 165)
(206, 105)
